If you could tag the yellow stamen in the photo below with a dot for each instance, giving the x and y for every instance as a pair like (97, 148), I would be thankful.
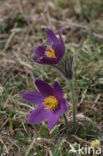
(50, 52)
(51, 103)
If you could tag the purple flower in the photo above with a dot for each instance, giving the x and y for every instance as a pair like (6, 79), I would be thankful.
(50, 103)
(52, 53)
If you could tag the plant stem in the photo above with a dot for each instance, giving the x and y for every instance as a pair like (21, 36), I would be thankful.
(66, 122)
(73, 102)
(71, 84)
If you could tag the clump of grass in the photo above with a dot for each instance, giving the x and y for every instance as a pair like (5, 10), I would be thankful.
(19, 19)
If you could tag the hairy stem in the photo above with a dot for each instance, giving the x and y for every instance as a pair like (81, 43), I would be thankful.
(66, 122)
(73, 102)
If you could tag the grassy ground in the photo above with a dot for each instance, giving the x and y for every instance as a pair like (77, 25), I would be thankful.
(22, 25)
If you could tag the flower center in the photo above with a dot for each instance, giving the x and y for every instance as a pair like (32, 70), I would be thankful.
(51, 103)
(50, 52)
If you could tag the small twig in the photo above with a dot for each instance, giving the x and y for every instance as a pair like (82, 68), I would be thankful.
(25, 105)
(7, 152)
(80, 139)
(83, 96)
(97, 98)
(10, 39)
(13, 142)
(30, 147)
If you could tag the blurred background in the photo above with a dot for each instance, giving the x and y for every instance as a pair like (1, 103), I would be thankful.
(22, 27)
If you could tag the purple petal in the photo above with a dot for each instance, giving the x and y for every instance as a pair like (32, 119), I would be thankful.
(38, 115)
(49, 61)
(39, 52)
(52, 120)
(51, 36)
(45, 60)
(63, 106)
(58, 92)
(61, 40)
(33, 97)
(59, 51)
(44, 88)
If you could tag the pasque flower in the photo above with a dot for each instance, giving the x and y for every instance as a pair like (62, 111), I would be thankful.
(52, 53)
(50, 103)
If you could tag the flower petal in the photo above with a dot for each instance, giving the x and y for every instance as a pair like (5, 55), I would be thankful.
(38, 115)
(59, 52)
(45, 60)
(40, 50)
(63, 106)
(51, 36)
(61, 40)
(44, 88)
(52, 120)
(33, 97)
(39, 53)
(58, 92)
(49, 61)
